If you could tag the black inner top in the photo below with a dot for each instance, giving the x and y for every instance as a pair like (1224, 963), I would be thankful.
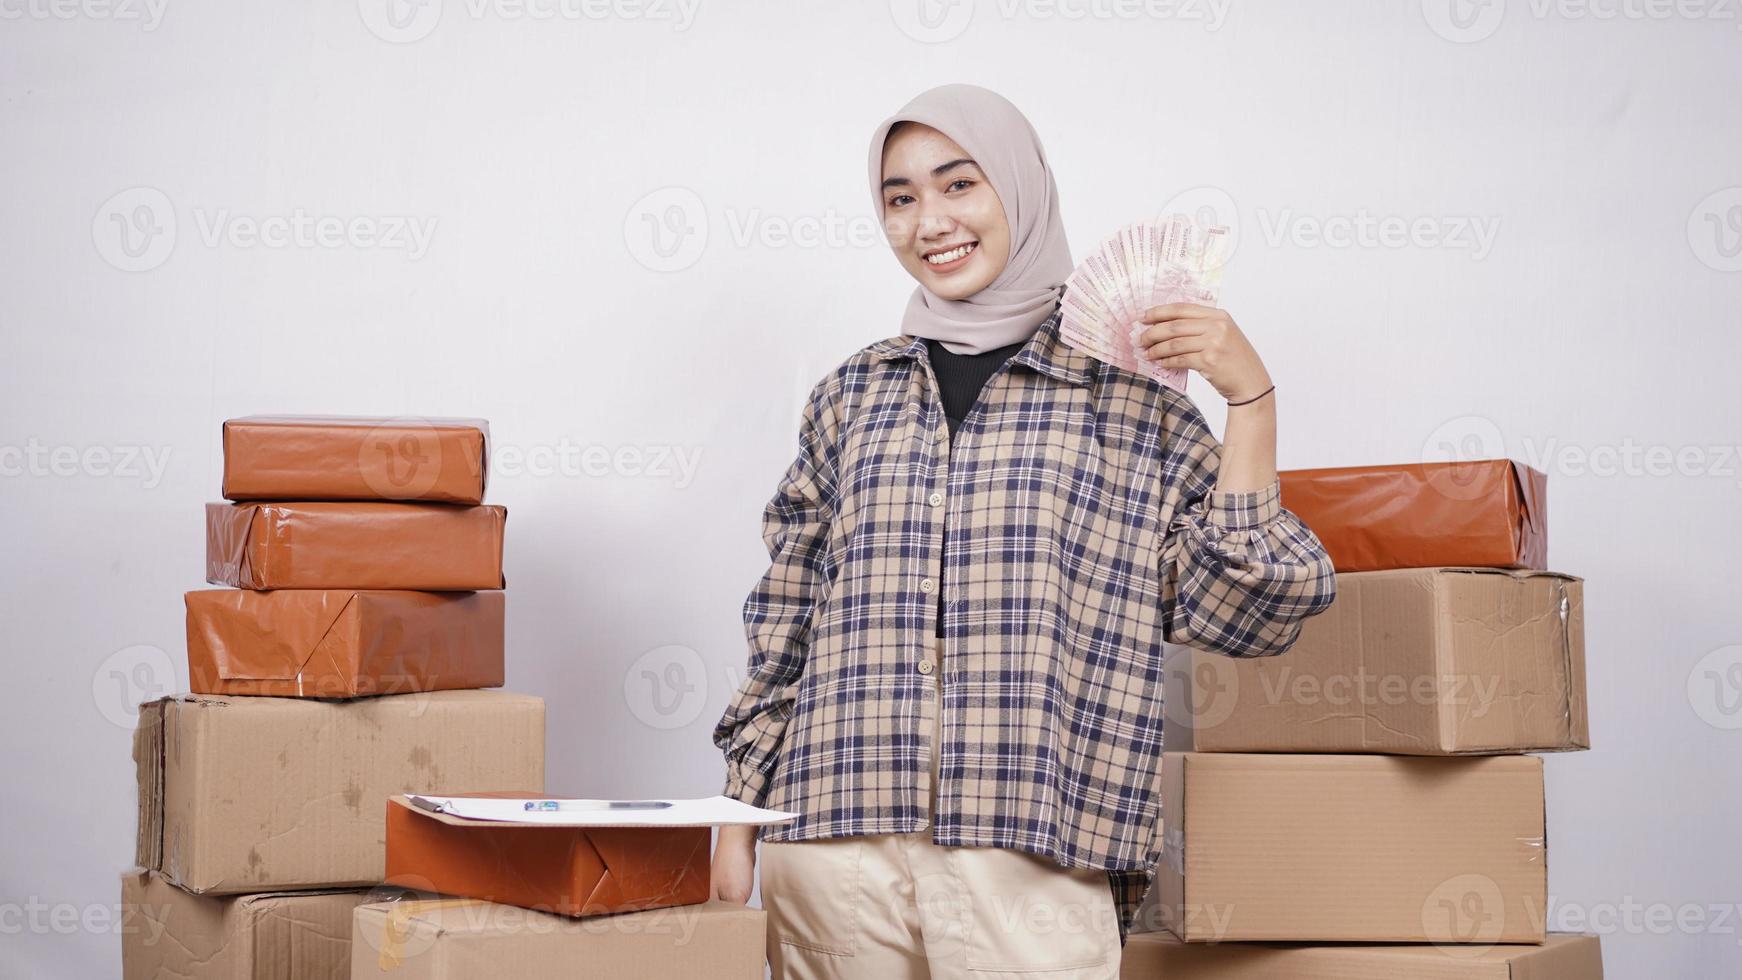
(961, 377)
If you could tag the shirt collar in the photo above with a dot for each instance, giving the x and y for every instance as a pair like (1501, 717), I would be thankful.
(1045, 352)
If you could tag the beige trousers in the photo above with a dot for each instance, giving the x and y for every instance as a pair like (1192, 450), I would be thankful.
(898, 907)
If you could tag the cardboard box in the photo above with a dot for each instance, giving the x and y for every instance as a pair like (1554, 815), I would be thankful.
(566, 870)
(349, 545)
(1361, 848)
(247, 794)
(334, 457)
(463, 939)
(1159, 956)
(1491, 512)
(169, 933)
(342, 643)
(1413, 661)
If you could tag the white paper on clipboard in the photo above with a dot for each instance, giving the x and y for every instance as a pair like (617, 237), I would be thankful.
(708, 811)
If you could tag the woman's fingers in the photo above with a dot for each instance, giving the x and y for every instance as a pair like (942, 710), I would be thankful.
(1155, 333)
(1177, 345)
(1175, 311)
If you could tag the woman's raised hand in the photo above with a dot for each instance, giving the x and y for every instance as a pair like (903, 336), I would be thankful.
(1206, 340)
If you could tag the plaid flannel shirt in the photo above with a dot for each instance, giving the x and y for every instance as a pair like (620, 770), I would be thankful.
(1084, 530)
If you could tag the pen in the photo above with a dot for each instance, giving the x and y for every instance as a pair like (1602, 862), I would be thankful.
(560, 805)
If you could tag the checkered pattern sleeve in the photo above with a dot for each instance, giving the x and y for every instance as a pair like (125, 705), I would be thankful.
(777, 612)
(1240, 573)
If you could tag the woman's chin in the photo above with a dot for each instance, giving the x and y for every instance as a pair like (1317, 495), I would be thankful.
(956, 285)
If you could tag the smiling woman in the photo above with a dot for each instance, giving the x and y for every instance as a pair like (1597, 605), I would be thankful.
(958, 168)
(958, 241)
(970, 722)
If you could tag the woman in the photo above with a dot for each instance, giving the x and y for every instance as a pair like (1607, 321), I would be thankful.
(955, 671)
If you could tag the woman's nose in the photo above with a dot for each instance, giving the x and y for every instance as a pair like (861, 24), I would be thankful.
(935, 225)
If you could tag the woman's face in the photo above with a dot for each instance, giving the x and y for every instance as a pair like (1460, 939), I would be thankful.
(937, 202)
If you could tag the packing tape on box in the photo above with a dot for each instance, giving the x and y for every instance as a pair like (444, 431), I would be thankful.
(1562, 606)
(396, 927)
(1536, 845)
(1173, 848)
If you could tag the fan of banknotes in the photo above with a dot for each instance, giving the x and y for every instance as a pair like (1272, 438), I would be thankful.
(1171, 259)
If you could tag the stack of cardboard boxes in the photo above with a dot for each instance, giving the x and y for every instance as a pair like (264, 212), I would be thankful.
(1371, 784)
(345, 665)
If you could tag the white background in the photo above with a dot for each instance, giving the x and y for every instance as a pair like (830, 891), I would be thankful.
(1594, 335)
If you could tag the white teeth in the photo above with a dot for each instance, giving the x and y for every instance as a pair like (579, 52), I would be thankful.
(950, 256)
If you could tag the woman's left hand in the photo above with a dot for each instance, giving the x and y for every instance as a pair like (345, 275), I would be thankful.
(1206, 340)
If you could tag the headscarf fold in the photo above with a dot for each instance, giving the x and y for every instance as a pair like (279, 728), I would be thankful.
(1000, 139)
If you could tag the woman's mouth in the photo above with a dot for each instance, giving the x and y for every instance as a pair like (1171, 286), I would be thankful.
(952, 258)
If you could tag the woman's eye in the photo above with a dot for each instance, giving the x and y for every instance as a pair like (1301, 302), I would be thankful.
(960, 180)
(897, 199)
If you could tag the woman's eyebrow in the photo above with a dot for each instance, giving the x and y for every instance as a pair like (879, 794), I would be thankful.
(937, 171)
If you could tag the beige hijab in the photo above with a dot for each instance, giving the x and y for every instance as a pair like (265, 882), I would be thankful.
(999, 138)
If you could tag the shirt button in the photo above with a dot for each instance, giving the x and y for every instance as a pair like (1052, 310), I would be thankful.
(927, 585)
(925, 666)
(937, 499)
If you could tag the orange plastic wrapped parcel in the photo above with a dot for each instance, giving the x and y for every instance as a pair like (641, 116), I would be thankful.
(342, 643)
(340, 457)
(355, 545)
(573, 871)
(1489, 513)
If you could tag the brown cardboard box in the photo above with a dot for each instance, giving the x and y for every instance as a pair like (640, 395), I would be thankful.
(464, 939)
(1159, 956)
(1362, 848)
(334, 457)
(566, 870)
(342, 643)
(1413, 661)
(246, 794)
(1491, 512)
(351, 545)
(170, 934)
